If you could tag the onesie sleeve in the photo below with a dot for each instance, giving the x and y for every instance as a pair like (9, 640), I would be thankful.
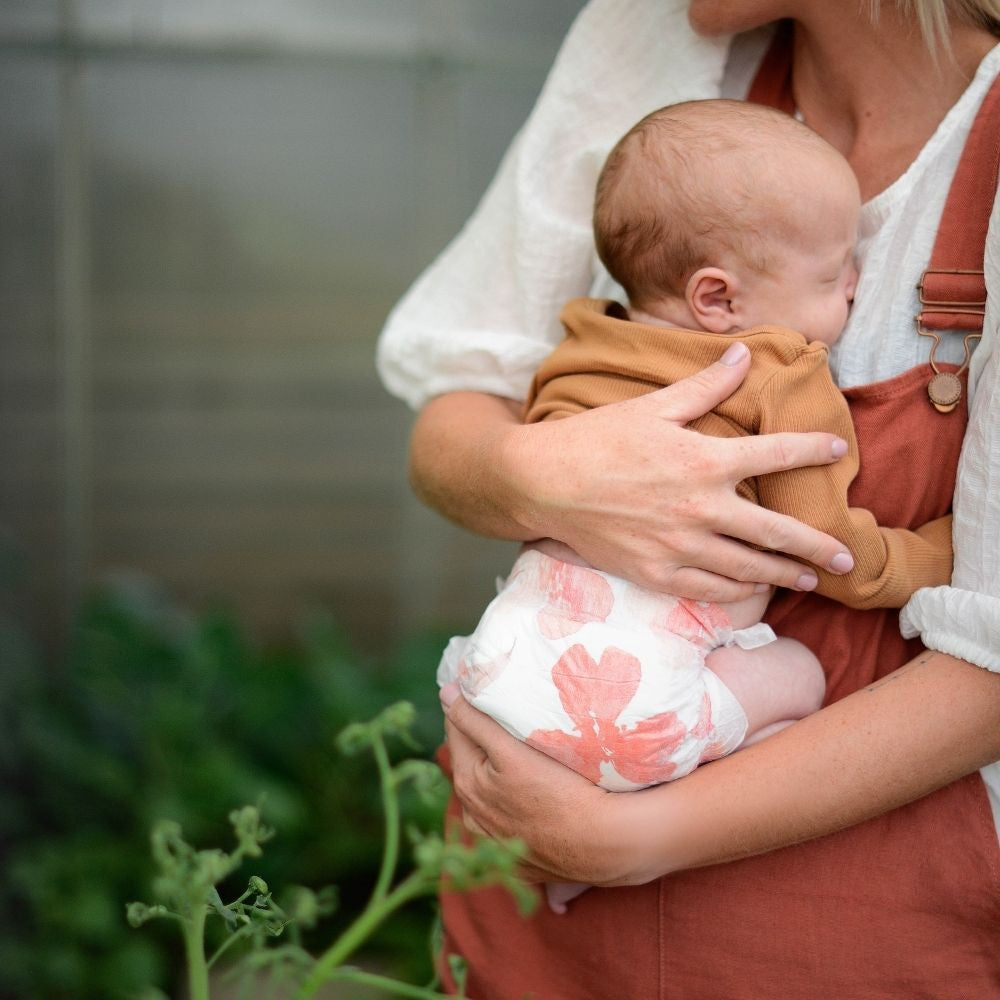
(889, 563)
(485, 313)
(964, 619)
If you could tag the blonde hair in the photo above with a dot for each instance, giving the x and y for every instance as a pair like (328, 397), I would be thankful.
(934, 16)
(693, 181)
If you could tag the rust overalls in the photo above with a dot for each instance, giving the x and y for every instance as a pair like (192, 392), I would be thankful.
(905, 906)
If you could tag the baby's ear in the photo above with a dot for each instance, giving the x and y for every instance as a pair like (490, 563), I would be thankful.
(709, 293)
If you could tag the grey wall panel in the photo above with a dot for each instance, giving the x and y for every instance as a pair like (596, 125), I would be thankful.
(209, 212)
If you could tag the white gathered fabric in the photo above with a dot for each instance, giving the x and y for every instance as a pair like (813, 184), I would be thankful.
(752, 637)
(485, 313)
(960, 622)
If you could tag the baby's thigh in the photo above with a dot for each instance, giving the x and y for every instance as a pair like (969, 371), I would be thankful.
(782, 680)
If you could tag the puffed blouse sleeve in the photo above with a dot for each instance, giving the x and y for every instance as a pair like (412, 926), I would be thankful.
(485, 313)
(964, 619)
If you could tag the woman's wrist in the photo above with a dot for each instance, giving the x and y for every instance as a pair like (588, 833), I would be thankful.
(525, 489)
(615, 838)
(658, 832)
(459, 464)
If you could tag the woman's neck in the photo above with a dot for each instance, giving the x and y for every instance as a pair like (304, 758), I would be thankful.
(873, 90)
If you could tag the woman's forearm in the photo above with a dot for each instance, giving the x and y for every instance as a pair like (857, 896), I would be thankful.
(628, 486)
(927, 724)
(457, 462)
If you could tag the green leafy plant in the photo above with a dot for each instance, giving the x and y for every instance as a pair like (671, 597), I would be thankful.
(152, 711)
(188, 880)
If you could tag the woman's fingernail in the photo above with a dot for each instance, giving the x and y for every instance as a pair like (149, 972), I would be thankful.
(807, 581)
(762, 588)
(735, 354)
(839, 448)
(842, 562)
(448, 693)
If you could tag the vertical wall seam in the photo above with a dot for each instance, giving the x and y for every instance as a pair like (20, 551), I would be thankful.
(73, 322)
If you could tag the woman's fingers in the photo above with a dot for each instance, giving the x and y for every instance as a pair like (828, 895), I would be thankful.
(757, 455)
(470, 776)
(638, 494)
(508, 789)
(472, 734)
(700, 585)
(746, 571)
(470, 824)
(781, 533)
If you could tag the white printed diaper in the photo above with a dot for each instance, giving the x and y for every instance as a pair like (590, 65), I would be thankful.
(602, 675)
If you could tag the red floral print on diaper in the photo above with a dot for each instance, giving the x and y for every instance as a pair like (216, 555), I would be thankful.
(594, 695)
(698, 622)
(574, 596)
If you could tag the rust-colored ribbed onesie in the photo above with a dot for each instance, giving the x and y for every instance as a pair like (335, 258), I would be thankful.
(605, 358)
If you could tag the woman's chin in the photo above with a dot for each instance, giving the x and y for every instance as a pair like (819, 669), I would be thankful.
(712, 18)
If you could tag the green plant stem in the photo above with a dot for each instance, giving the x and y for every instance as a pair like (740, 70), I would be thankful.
(374, 913)
(239, 935)
(390, 809)
(194, 946)
(387, 984)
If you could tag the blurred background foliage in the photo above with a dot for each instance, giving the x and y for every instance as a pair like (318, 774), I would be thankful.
(157, 712)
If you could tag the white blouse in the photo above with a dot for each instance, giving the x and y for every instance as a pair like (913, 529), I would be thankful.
(485, 313)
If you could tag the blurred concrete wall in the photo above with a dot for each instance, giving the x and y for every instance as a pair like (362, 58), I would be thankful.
(207, 208)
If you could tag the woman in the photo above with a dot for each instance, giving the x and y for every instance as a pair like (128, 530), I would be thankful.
(905, 902)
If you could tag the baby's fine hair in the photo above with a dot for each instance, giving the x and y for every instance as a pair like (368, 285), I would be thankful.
(691, 181)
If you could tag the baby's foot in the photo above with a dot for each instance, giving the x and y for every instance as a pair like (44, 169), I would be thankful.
(558, 894)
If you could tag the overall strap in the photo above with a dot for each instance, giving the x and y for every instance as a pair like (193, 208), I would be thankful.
(952, 290)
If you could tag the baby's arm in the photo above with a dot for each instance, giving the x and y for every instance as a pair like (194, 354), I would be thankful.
(889, 563)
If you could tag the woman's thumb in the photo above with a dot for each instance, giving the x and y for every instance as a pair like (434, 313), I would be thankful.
(695, 395)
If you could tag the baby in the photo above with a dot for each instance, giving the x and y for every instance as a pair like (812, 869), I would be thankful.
(719, 219)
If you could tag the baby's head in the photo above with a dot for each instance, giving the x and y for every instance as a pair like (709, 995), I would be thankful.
(722, 215)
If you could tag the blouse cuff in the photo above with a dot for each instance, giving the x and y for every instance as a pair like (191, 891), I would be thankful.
(962, 623)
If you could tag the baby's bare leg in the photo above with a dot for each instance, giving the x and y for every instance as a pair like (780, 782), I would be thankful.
(776, 684)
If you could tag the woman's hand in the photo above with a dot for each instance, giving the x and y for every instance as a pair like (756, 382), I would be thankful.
(574, 830)
(629, 487)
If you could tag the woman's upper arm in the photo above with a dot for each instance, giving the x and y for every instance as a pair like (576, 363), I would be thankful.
(485, 313)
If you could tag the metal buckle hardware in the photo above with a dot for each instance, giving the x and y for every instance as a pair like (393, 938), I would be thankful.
(977, 306)
(945, 388)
